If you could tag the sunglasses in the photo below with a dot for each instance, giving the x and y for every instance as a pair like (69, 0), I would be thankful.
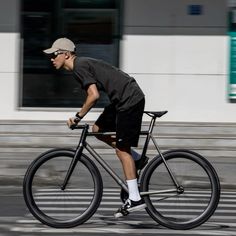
(55, 54)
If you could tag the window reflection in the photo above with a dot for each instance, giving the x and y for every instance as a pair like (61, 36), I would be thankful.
(92, 25)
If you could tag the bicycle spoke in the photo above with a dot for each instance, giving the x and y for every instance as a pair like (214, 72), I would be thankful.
(49, 179)
(196, 199)
(54, 206)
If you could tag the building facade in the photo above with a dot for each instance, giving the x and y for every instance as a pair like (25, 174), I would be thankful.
(178, 51)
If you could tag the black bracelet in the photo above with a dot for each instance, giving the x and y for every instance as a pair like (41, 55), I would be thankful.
(78, 116)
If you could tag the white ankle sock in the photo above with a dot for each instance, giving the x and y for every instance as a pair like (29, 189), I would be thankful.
(133, 190)
(136, 156)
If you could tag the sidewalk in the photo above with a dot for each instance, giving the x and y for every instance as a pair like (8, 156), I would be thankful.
(23, 141)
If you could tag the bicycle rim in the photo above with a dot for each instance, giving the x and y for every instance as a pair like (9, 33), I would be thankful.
(201, 190)
(62, 208)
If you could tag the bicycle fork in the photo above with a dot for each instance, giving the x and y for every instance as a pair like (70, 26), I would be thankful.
(76, 157)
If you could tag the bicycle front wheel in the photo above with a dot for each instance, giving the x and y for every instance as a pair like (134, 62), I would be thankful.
(193, 202)
(56, 207)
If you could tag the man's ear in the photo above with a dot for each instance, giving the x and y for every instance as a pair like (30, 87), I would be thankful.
(67, 55)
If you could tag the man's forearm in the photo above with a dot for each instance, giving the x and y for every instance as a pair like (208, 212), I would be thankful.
(92, 97)
(89, 103)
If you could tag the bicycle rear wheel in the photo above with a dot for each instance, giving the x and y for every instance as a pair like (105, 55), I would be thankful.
(195, 201)
(56, 207)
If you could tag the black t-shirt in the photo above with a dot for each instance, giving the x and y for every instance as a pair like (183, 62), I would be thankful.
(122, 90)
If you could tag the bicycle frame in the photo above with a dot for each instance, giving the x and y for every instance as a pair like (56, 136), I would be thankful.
(80, 197)
(83, 144)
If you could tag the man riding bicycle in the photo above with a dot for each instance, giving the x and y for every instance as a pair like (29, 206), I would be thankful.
(123, 115)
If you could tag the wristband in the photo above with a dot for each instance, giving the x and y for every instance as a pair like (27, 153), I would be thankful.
(78, 116)
(76, 120)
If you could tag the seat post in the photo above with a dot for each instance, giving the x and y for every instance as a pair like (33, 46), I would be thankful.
(150, 129)
(151, 125)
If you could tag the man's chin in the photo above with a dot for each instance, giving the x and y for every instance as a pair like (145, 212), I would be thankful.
(57, 67)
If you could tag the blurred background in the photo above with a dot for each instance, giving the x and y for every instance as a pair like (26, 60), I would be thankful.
(182, 53)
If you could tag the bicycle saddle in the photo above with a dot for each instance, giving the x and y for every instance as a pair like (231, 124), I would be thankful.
(155, 113)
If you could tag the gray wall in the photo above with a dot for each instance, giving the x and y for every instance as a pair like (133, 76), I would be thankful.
(166, 17)
(148, 17)
(9, 15)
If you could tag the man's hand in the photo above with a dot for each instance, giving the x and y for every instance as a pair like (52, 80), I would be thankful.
(92, 97)
(73, 121)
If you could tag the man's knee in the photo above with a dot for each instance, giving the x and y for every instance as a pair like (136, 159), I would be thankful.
(109, 139)
(95, 128)
(123, 151)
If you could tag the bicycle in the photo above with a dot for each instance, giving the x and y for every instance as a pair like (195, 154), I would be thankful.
(181, 179)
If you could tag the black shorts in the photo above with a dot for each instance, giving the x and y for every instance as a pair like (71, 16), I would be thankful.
(126, 124)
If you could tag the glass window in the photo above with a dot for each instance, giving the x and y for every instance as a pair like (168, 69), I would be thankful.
(95, 28)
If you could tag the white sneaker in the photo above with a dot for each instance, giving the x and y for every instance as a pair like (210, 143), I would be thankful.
(130, 206)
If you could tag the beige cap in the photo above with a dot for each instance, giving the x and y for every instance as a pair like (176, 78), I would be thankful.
(61, 44)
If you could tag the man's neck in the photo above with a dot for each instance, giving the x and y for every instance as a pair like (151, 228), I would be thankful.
(69, 63)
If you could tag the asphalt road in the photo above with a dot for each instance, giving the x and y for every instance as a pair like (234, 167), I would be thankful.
(15, 218)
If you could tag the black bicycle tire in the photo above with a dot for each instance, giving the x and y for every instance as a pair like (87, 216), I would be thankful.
(205, 164)
(30, 202)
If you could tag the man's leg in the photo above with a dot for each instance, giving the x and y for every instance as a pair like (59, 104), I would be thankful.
(134, 202)
(130, 172)
(127, 162)
(111, 141)
(106, 122)
(128, 126)
(108, 139)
